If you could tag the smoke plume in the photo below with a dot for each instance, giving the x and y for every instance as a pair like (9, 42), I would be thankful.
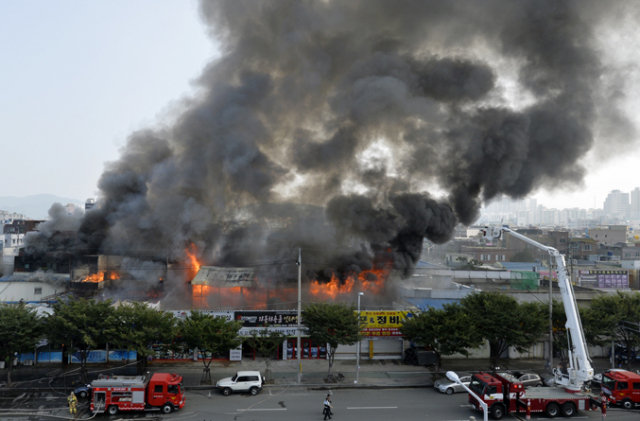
(362, 128)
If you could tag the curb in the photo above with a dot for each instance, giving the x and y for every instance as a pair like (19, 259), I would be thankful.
(332, 387)
(313, 386)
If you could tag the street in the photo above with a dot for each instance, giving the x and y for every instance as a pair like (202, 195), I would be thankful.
(292, 403)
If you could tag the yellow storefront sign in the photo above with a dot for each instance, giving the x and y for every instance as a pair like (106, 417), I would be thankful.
(382, 323)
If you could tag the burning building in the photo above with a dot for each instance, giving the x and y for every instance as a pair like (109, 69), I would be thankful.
(353, 130)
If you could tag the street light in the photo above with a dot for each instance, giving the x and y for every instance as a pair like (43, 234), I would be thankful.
(360, 294)
(454, 378)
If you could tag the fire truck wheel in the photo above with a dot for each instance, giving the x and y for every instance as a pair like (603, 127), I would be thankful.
(167, 408)
(627, 404)
(112, 410)
(226, 391)
(497, 412)
(568, 409)
(253, 391)
(552, 410)
(450, 391)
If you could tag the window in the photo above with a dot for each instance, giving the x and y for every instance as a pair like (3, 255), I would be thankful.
(491, 390)
(37, 291)
(563, 240)
(586, 247)
(243, 379)
(636, 386)
(253, 378)
(158, 388)
(173, 388)
(622, 386)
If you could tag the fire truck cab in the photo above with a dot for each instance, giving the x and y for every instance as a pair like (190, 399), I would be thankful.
(159, 392)
(621, 387)
(499, 391)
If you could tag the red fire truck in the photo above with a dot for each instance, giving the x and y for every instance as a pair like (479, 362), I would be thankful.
(621, 387)
(159, 392)
(503, 393)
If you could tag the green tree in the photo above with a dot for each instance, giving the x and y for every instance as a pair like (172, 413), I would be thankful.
(333, 324)
(503, 321)
(446, 331)
(524, 255)
(266, 341)
(139, 327)
(559, 322)
(20, 331)
(614, 317)
(210, 335)
(82, 325)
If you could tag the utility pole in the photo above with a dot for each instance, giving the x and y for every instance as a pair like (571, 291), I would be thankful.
(550, 315)
(299, 348)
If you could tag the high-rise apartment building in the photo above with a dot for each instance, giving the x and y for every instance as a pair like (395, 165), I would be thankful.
(617, 204)
(634, 209)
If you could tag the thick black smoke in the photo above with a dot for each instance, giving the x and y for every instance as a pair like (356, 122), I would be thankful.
(360, 107)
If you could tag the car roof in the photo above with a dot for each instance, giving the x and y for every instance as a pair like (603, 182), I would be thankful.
(247, 373)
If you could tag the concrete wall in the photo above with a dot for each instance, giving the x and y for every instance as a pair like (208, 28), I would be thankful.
(14, 291)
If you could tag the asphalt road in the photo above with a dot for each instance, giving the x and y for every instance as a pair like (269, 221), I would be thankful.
(299, 404)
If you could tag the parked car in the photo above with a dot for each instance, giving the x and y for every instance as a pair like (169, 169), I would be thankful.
(550, 381)
(82, 391)
(243, 381)
(447, 386)
(529, 379)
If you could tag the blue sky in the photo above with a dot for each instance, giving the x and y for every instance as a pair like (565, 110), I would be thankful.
(79, 76)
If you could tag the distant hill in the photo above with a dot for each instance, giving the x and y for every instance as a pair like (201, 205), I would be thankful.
(35, 206)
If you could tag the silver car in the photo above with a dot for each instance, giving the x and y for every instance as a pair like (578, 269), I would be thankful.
(530, 379)
(447, 386)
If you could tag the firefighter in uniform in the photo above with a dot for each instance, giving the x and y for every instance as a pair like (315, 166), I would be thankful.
(73, 403)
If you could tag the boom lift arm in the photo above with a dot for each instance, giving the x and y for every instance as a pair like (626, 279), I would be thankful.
(580, 369)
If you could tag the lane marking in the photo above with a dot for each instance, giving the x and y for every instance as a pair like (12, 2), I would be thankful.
(261, 409)
(552, 418)
(373, 407)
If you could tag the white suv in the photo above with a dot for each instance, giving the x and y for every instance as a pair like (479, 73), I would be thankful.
(243, 381)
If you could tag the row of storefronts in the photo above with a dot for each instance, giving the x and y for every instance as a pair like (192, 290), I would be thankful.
(382, 337)
(380, 330)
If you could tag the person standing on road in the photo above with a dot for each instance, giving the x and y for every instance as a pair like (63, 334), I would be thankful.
(73, 402)
(327, 408)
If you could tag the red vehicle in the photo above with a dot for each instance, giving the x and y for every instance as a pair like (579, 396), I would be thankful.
(159, 392)
(621, 387)
(503, 393)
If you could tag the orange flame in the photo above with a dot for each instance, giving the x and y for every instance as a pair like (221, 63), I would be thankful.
(368, 280)
(239, 297)
(192, 262)
(99, 277)
(96, 277)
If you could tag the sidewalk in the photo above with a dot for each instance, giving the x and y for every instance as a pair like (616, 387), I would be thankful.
(373, 373)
